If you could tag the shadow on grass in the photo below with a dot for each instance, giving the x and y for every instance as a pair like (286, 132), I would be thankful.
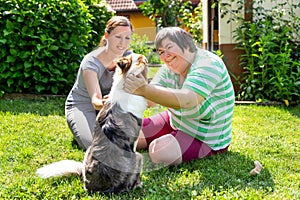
(232, 170)
(214, 176)
(293, 110)
(227, 173)
(42, 106)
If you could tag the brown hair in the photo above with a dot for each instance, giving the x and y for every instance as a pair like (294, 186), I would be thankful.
(112, 24)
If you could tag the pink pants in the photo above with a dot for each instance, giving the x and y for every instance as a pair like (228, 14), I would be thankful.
(191, 148)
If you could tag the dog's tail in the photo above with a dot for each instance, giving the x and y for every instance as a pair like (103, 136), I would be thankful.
(61, 168)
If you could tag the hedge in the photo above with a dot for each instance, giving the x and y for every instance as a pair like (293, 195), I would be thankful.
(43, 41)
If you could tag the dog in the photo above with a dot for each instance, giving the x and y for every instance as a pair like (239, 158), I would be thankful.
(111, 164)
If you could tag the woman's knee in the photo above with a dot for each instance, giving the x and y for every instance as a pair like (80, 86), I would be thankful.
(165, 149)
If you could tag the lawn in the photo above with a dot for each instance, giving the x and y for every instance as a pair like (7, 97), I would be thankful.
(33, 132)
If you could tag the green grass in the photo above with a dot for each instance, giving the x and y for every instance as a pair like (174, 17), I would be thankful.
(34, 132)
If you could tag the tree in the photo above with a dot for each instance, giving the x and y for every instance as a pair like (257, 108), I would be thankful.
(175, 13)
(164, 12)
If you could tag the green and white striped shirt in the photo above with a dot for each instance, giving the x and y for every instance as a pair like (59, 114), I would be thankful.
(210, 121)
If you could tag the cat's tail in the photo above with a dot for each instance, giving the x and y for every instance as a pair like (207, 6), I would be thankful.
(61, 168)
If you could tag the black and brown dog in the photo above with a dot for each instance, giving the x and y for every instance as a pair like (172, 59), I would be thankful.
(111, 164)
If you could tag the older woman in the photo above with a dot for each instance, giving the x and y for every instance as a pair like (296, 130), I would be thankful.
(195, 86)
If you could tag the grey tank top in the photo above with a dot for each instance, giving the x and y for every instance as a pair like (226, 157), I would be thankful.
(79, 94)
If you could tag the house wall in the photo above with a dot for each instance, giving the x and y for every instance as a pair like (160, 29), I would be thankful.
(270, 4)
(223, 37)
(226, 30)
(227, 45)
(226, 34)
(142, 25)
(205, 25)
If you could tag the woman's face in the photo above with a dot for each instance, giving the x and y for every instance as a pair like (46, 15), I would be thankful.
(172, 55)
(118, 40)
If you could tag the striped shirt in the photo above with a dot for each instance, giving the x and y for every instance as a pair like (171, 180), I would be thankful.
(210, 121)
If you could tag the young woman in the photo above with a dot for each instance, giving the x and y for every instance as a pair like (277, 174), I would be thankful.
(195, 86)
(94, 80)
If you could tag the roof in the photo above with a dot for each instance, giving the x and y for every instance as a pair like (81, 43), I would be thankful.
(122, 5)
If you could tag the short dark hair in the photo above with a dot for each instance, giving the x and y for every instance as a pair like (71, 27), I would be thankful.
(177, 35)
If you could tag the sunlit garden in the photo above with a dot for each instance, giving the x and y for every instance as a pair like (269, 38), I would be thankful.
(39, 57)
(34, 132)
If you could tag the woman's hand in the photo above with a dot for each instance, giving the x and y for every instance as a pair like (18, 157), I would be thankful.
(97, 101)
(135, 84)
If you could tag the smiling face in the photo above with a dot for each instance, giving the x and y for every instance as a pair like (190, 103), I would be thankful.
(118, 40)
(174, 57)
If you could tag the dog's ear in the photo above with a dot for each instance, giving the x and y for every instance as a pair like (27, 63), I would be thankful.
(124, 63)
(142, 62)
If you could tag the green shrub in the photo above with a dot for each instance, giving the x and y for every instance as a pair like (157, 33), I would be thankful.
(139, 44)
(153, 58)
(271, 59)
(100, 16)
(192, 21)
(43, 42)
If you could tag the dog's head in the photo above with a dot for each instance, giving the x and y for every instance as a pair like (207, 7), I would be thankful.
(133, 64)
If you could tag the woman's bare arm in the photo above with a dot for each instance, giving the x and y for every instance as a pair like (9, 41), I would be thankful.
(172, 98)
(92, 85)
